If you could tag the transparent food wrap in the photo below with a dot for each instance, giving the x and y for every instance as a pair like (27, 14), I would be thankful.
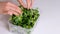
(24, 23)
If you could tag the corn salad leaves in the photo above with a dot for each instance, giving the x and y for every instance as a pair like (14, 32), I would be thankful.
(27, 19)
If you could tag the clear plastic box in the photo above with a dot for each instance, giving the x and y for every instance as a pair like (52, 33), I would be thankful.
(19, 30)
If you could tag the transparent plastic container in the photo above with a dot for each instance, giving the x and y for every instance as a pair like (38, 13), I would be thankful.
(19, 30)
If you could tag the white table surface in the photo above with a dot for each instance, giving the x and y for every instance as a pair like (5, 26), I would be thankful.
(49, 21)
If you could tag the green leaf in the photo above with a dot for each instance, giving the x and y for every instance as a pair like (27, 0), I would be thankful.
(27, 19)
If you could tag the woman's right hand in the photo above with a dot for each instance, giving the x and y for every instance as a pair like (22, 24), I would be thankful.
(9, 8)
(28, 4)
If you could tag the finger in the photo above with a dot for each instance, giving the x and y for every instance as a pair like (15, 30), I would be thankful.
(10, 12)
(16, 10)
(14, 7)
(32, 1)
(22, 3)
(11, 4)
(15, 13)
(29, 3)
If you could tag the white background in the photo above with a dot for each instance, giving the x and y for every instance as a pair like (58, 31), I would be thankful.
(49, 20)
(50, 17)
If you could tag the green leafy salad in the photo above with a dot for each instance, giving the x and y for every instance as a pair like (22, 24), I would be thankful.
(27, 19)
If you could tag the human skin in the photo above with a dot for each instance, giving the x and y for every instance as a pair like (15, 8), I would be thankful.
(10, 8)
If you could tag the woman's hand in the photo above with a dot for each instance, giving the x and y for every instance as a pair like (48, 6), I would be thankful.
(28, 4)
(9, 8)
